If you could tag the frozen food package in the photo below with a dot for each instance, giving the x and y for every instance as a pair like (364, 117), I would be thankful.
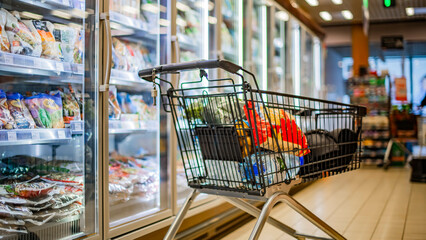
(4, 40)
(67, 37)
(14, 211)
(32, 189)
(67, 189)
(121, 53)
(6, 119)
(12, 229)
(19, 111)
(40, 221)
(23, 40)
(114, 110)
(43, 28)
(46, 110)
(11, 221)
(118, 193)
(64, 178)
(275, 130)
(79, 47)
(13, 199)
(61, 201)
(41, 207)
(71, 109)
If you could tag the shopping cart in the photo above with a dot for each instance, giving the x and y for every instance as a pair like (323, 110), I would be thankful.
(239, 142)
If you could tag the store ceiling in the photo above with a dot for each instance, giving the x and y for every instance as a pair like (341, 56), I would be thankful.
(378, 13)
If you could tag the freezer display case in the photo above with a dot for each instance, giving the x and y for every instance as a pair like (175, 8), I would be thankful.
(138, 175)
(307, 64)
(279, 47)
(231, 30)
(255, 41)
(195, 29)
(48, 124)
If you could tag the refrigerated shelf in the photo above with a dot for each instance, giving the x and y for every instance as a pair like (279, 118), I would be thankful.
(187, 43)
(27, 65)
(129, 127)
(139, 28)
(126, 78)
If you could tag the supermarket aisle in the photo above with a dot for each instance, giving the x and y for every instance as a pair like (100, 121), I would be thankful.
(363, 204)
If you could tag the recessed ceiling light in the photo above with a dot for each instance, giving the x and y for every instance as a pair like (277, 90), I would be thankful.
(347, 14)
(409, 11)
(313, 3)
(325, 16)
(337, 2)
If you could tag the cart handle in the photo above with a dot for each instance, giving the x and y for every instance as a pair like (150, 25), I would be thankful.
(187, 66)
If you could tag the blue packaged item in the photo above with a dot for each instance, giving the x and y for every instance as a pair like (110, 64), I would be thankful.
(19, 111)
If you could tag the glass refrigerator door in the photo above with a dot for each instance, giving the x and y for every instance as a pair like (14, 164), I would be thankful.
(48, 123)
(278, 59)
(138, 175)
(231, 30)
(307, 64)
(256, 41)
(195, 24)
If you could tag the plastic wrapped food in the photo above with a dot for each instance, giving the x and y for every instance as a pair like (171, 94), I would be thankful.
(4, 40)
(121, 53)
(114, 110)
(13, 199)
(32, 190)
(67, 37)
(9, 211)
(283, 126)
(118, 193)
(40, 221)
(64, 178)
(19, 111)
(61, 201)
(23, 40)
(67, 189)
(57, 166)
(12, 229)
(71, 109)
(40, 207)
(79, 48)
(46, 110)
(44, 28)
(11, 221)
(6, 119)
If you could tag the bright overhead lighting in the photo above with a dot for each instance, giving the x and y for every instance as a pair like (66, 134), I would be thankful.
(409, 11)
(347, 14)
(61, 14)
(337, 2)
(325, 16)
(281, 15)
(312, 3)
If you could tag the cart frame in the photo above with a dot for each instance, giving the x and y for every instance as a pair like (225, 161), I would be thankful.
(272, 194)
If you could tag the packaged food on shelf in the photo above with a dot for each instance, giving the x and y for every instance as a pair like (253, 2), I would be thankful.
(114, 110)
(71, 109)
(7, 211)
(4, 40)
(71, 179)
(12, 229)
(40, 207)
(19, 111)
(50, 49)
(11, 221)
(61, 201)
(121, 54)
(79, 47)
(31, 189)
(23, 40)
(67, 37)
(46, 110)
(6, 119)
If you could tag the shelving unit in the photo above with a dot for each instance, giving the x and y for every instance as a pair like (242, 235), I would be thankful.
(372, 92)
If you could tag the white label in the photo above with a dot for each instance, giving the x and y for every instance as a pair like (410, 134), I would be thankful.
(77, 127)
(11, 136)
(59, 66)
(61, 134)
(8, 59)
(35, 135)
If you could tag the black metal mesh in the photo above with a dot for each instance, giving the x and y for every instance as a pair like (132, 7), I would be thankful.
(234, 138)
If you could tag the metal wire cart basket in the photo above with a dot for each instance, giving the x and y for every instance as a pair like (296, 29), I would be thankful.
(240, 142)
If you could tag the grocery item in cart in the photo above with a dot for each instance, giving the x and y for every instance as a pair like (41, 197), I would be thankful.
(67, 37)
(6, 119)
(46, 110)
(19, 111)
(282, 126)
(4, 40)
(44, 29)
(23, 40)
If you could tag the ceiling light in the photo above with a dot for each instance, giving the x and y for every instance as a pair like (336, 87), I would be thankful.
(409, 11)
(347, 14)
(337, 2)
(313, 3)
(281, 15)
(325, 16)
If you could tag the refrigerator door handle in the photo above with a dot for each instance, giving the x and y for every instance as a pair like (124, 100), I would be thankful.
(104, 17)
(175, 40)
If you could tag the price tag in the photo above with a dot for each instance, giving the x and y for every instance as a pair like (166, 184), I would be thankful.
(11, 136)
(35, 135)
(78, 127)
(60, 66)
(8, 59)
(61, 134)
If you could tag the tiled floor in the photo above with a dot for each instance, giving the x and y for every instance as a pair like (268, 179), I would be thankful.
(369, 203)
